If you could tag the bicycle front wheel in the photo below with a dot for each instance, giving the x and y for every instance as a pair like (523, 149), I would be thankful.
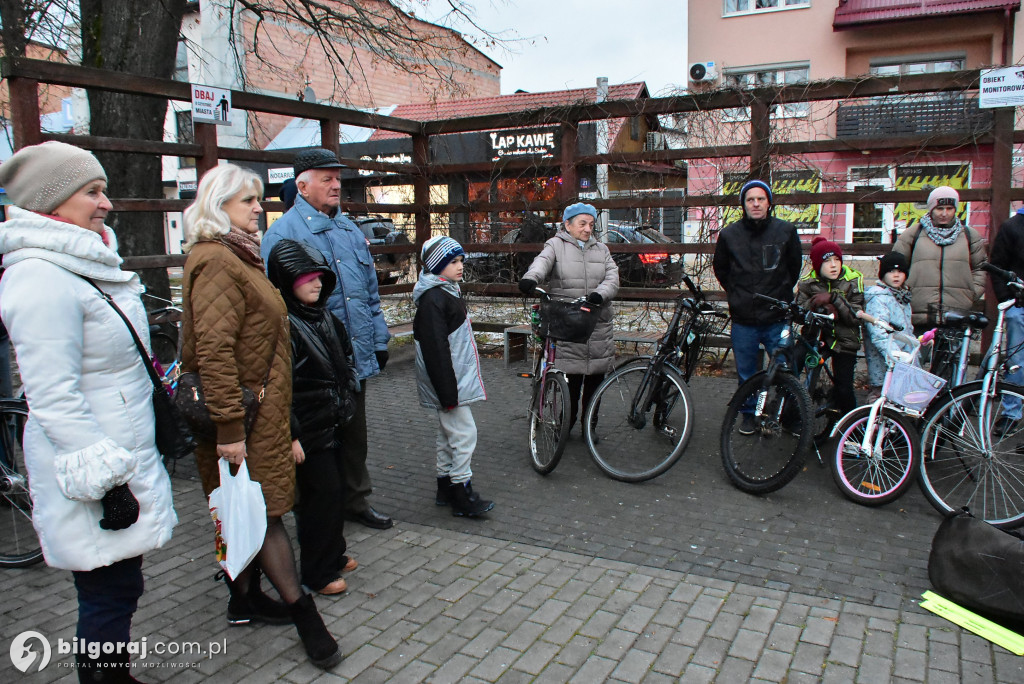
(549, 423)
(638, 424)
(19, 545)
(968, 461)
(882, 473)
(821, 390)
(770, 456)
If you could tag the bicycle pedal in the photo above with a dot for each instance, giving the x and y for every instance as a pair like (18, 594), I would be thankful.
(669, 432)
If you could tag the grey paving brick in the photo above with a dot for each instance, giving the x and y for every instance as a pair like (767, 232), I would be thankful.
(497, 662)
(747, 644)
(634, 667)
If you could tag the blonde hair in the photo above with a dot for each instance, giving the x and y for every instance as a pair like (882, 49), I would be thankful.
(205, 218)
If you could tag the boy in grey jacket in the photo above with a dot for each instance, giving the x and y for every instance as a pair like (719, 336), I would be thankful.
(448, 374)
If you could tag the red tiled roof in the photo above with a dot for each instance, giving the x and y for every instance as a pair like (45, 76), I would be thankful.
(516, 102)
(852, 13)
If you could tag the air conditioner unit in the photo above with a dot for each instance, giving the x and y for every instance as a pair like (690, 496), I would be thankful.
(655, 141)
(703, 72)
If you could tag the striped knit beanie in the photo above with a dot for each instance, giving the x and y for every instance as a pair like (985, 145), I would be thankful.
(438, 253)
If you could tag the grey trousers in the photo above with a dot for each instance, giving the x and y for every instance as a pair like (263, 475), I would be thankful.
(456, 441)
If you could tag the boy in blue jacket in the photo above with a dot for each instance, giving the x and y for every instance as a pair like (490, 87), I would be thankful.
(448, 374)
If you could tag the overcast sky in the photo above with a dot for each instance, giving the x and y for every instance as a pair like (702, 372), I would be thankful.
(569, 43)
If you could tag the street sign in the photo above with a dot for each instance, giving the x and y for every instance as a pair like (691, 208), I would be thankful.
(1001, 87)
(211, 105)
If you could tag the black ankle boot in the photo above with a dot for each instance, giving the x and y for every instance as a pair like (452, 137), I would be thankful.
(253, 605)
(443, 485)
(320, 646)
(465, 502)
(114, 668)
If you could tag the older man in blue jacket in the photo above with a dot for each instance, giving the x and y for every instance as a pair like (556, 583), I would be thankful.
(316, 220)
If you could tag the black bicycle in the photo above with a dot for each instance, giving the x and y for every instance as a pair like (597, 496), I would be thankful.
(640, 418)
(783, 417)
(19, 544)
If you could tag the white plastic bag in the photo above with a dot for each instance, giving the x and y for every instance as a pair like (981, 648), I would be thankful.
(240, 514)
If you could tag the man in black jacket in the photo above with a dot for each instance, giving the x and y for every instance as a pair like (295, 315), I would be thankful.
(1008, 253)
(759, 254)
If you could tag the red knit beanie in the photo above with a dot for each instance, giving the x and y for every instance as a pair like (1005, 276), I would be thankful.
(821, 249)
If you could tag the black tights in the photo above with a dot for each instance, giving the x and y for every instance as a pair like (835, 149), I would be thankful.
(277, 561)
(589, 385)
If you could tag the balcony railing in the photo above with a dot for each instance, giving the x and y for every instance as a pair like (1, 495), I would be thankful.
(911, 116)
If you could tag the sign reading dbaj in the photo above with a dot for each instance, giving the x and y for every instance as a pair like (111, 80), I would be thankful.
(804, 216)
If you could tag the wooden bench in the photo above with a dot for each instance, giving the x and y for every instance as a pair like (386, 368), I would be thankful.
(517, 338)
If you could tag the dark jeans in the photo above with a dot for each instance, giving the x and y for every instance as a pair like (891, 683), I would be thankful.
(589, 385)
(357, 477)
(107, 599)
(843, 366)
(320, 516)
(746, 342)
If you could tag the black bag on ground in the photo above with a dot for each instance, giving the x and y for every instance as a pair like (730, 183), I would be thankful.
(979, 567)
(567, 321)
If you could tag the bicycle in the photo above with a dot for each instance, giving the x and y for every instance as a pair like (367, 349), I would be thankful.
(164, 345)
(967, 462)
(784, 419)
(552, 320)
(877, 450)
(643, 408)
(20, 544)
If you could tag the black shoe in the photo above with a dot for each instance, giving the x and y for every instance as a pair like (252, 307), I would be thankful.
(320, 646)
(253, 605)
(748, 425)
(1004, 426)
(371, 518)
(465, 502)
(443, 484)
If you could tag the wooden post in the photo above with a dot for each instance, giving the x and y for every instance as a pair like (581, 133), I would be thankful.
(421, 190)
(760, 133)
(24, 94)
(999, 206)
(570, 143)
(206, 137)
(329, 129)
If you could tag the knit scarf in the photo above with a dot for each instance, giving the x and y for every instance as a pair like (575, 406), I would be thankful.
(942, 235)
(900, 294)
(246, 246)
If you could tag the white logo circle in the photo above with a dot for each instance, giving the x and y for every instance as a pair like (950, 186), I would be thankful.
(22, 654)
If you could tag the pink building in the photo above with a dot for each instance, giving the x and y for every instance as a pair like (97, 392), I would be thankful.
(760, 42)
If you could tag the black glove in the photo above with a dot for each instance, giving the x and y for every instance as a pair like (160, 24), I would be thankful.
(382, 358)
(527, 286)
(120, 509)
(595, 298)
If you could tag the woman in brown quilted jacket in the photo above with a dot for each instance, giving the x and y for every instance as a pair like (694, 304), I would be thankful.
(235, 332)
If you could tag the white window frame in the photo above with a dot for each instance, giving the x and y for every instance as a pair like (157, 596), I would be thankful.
(793, 110)
(886, 182)
(752, 7)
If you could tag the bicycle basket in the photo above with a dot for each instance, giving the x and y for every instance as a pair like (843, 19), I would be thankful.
(912, 387)
(566, 321)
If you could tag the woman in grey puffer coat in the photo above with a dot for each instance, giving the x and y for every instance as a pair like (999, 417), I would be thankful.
(574, 264)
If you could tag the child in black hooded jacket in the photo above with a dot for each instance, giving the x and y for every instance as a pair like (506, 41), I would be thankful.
(324, 388)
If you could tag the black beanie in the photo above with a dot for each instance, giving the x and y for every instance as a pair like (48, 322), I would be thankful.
(893, 261)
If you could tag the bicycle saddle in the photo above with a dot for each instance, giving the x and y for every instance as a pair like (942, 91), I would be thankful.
(953, 319)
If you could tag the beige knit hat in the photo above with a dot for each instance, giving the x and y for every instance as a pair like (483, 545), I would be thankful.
(41, 177)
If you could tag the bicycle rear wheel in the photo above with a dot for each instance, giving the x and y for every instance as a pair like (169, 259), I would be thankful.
(165, 348)
(966, 461)
(883, 475)
(19, 545)
(772, 456)
(549, 423)
(636, 426)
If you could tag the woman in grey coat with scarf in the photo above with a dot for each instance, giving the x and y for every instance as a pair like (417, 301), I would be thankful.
(574, 264)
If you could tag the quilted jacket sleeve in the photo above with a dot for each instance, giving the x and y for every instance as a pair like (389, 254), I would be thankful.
(543, 263)
(46, 324)
(218, 309)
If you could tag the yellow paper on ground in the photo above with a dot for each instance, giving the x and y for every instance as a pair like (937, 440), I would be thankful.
(997, 634)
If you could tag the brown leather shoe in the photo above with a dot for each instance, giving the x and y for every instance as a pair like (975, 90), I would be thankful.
(351, 565)
(338, 586)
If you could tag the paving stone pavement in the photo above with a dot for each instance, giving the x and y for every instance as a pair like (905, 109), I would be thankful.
(572, 577)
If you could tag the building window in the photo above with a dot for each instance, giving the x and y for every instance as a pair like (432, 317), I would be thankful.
(186, 134)
(895, 67)
(747, 6)
(760, 77)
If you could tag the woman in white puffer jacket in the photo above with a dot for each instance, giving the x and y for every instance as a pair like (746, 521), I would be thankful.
(101, 495)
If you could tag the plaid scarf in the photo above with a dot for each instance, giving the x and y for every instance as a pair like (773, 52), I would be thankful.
(246, 246)
(901, 294)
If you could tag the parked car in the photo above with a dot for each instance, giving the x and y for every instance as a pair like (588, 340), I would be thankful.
(659, 269)
(380, 230)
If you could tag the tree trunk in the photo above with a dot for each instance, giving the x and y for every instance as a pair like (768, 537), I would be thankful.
(138, 37)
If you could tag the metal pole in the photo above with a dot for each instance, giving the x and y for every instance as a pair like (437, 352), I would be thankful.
(602, 169)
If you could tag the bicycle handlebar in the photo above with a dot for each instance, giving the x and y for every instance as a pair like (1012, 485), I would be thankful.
(884, 325)
(794, 310)
(1011, 278)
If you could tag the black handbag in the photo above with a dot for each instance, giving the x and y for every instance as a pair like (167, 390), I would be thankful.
(173, 437)
(191, 401)
(979, 567)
